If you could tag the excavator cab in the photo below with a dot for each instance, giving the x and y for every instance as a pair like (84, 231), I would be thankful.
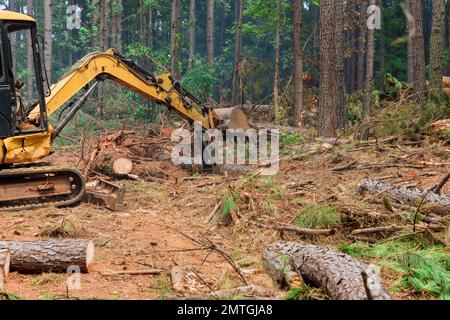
(21, 81)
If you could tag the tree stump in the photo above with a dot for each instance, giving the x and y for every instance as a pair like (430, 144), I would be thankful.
(34, 257)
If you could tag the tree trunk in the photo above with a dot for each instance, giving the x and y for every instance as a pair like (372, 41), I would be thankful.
(418, 54)
(175, 40)
(150, 36)
(298, 63)
(332, 110)
(341, 111)
(48, 40)
(5, 259)
(340, 275)
(30, 58)
(411, 196)
(276, 79)
(13, 7)
(437, 46)
(361, 47)
(102, 47)
(237, 53)
(367, 110)
(210, 32)
(34, 257)
(192, 30)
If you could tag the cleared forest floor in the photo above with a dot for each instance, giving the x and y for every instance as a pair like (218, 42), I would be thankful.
(162, 222)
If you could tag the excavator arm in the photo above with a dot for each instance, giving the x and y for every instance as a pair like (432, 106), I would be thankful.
(163, 89)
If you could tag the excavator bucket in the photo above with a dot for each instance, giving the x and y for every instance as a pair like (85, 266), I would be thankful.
(232, 118)
(105, 193)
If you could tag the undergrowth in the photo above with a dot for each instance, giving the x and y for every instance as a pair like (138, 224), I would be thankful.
(421, 269)
(318, 216)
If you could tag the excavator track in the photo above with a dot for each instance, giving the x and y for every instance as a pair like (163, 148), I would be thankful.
(31, 187)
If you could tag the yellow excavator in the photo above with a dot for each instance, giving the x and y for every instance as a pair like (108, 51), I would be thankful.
(26, 136)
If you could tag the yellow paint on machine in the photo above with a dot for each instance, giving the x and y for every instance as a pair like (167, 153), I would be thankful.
(15, 16)
(27, 148)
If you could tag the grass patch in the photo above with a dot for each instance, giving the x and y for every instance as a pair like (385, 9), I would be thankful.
(318, 216)
(305, 293)
(9, 296)
(420, 269)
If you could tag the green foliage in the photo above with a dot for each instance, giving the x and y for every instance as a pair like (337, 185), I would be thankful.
(9, 296)
(420, 269)
(305, 293)
(291, 139)
(318, 216)
(201, 78)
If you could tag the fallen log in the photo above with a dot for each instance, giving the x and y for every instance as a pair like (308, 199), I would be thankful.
(34, 257)
(5, 259)
(341, 276)
(405, 195)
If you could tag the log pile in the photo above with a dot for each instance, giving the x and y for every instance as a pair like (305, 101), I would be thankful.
(341, 276)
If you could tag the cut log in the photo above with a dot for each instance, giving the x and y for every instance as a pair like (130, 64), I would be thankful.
(122, 166)
(246, 291)
(341, 276)
(405, 195)
(34, 257)
(5, 259)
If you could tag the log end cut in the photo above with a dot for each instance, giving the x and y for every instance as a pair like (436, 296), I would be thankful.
(123, 166)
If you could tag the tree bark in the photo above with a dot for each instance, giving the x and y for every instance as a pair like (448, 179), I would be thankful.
(210, 32)
(34, 257)
(418, 51)
(175, 40)
(48, 40)
(340, 275)
(367, 110)
(30, 58)
(298, 63)
(192, 31)
(361, 47)
(5, 259)
(332, 110)
(437, 46)
(237, 54)
(276, 80)
(411, 196)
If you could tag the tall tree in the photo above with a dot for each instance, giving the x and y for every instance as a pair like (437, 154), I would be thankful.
(48, 38)
(437, 45)
(418, 48)
(192, 30)
(298, 63)
(30, 58)
(175, 38)
(210, 32)
(276, 82)
(362, 33)
(367, 110)
(332, 112)
(237, 52)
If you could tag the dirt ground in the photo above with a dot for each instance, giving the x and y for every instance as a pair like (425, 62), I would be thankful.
(154, 229)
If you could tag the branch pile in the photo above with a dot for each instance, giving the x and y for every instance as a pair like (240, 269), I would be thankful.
(125, 154)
